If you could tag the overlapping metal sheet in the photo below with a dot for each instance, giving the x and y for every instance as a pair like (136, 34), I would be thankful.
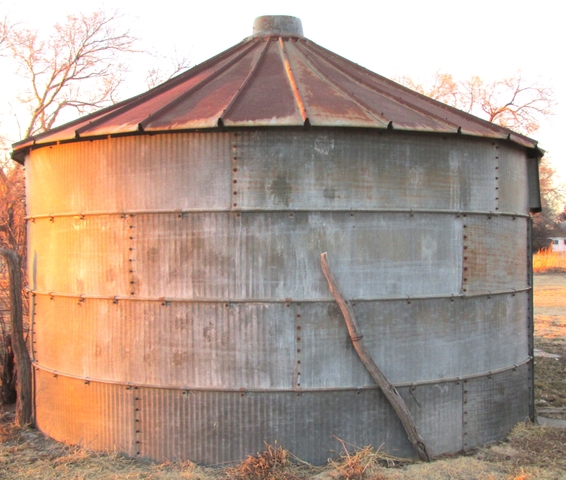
(278, 346)
(216, 427)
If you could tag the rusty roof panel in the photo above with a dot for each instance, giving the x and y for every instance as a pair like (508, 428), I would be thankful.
(267, 96)
(326, 103)
(275, 80)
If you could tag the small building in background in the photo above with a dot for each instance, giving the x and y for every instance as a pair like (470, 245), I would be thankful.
(558, 243)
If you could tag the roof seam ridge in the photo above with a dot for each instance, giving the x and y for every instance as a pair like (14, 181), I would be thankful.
(245, 83)
(215, 74)
(385, 94)
(386, 122)
(293, 82)
(139, 99)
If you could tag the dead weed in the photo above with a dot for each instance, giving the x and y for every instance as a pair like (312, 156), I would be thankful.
(274, 463)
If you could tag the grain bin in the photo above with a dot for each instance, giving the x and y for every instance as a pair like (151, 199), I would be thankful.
(178, 303)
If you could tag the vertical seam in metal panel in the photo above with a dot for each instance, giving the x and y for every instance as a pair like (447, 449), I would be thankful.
(32, 314)
(298, 333)
(131, 254)
(33, 352)
(496, 176)
(137, 426)
(465, 273)
(464, 385)
(530, 319)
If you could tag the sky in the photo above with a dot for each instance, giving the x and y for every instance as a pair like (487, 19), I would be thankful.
(492, 39)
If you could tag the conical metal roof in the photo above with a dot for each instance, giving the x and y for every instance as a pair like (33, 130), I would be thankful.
(276, 77)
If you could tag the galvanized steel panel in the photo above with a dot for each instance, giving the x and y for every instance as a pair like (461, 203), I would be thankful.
(277, 255)
(277, 346)
(210, 427)
(512, 192)
(93, 415)
(336, 169)
(494, 253)
(188, 171)
(493, 405)
(79, 255)
(190, 345)
(413, 341)
(437, 412)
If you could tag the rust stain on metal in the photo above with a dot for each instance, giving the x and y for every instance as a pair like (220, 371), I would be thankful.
(292, 81)
(274, 79)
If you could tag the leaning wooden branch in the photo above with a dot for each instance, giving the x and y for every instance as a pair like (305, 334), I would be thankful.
(385, 385)
(23, 364)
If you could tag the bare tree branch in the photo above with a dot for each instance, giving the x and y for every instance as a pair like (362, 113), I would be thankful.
(77, 66)
(176, 64)
(4, 31)
(511, 102)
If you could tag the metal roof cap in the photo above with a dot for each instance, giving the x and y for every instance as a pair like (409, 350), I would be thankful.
(280, 25)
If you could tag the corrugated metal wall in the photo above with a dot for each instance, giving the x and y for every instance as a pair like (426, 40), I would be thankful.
(176, 283)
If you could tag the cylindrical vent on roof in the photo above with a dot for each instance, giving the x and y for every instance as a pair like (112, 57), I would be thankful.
(278, 25)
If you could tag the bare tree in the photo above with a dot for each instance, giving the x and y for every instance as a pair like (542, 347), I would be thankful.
(512, 102)
(77, 66)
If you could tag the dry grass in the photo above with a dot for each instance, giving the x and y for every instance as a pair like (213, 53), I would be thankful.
(274, 463)
(550, 377)
(531, 452)
(545, 260)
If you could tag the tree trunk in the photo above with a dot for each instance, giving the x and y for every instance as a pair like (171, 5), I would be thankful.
(23, 363)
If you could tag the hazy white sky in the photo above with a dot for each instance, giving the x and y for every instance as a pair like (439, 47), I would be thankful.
(492, 39)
